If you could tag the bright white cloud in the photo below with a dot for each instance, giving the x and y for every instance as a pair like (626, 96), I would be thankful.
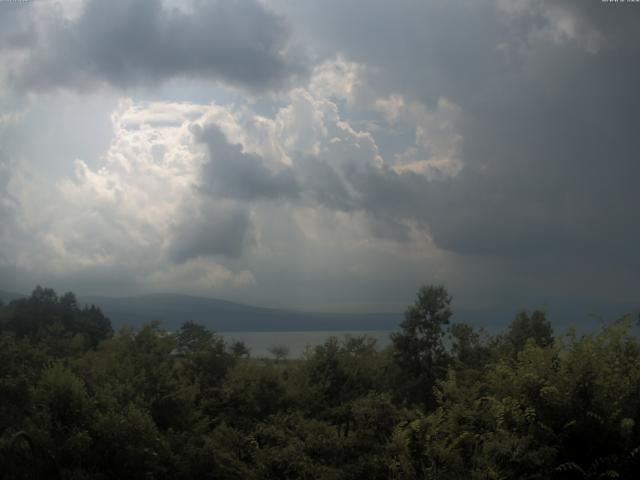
(146, 210)
(437, 138)
(121, 214)
(337, 78)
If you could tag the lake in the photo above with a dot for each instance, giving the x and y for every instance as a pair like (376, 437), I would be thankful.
(261, 342)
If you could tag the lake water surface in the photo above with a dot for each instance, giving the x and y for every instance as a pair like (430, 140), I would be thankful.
(296, 342)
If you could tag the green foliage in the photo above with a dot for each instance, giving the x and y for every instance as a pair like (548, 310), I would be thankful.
(80, 402)
(20, 364)
(419, 349)
(67, 328)
(279, 352)
(340, 371)
(525, 327)
(253, 391)
(239, 349)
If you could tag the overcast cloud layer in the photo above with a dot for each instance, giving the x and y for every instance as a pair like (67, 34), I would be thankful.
(345, 152)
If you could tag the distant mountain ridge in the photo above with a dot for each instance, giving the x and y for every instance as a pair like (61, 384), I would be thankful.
(172, 310)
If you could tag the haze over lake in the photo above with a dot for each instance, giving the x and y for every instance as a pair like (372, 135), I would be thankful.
(297, 342)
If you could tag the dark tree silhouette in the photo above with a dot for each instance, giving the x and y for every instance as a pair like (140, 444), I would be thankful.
(419, 349)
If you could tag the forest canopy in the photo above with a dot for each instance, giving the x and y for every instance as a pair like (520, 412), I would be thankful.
(443, 400)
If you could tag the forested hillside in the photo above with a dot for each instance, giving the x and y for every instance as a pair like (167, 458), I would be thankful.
(444, 401)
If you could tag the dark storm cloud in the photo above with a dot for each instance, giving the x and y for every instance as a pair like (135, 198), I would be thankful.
(550, 108)
(213, 231)
(615, 25)
(125, 43)
(552, 153)
(349, 185)
(232, 173)
(7, 203)
(16, 28)
(548, 117)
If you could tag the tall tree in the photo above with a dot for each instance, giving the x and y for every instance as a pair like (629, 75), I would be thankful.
(418, 347)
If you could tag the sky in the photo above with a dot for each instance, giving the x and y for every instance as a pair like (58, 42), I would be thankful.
(322, 154)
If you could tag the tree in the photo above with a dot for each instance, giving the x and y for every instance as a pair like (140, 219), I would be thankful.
(206, 359)
(525, 327)
(279, 352)
(239, 349)
(193, 337)
(467, 346)
(418, 348)
(57, 320)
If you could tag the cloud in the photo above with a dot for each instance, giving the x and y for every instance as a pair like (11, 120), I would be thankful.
(232, 173)
(183, 182)
(337, 78)
(592, 26)
(487, 144)
(133, 220)
(538, 145)
(324, 163)
(124, 44)
(201, 275)
(213, 231)
(435, 152)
